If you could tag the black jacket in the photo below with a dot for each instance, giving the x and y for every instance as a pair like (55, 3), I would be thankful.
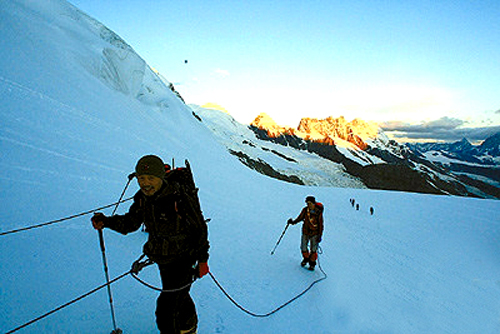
(172, 235)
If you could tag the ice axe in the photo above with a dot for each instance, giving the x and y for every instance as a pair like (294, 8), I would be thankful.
(281, 237)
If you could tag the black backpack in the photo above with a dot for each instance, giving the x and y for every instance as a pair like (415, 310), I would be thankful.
(189, 203)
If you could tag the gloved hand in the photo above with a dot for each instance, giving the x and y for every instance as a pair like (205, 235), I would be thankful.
(318, 240)
(202, 269)
(290, 221)
(98, 220)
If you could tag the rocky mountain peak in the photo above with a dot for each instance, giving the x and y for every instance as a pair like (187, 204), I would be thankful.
(492, 145)
(339, 128)
(265, 122)
(328, 130)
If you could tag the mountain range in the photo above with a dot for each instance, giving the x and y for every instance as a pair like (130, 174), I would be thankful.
(487, 153)
(80, 107)
(335, 152)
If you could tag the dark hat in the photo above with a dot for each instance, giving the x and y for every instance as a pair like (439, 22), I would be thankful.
(150, 165)
(311, 199)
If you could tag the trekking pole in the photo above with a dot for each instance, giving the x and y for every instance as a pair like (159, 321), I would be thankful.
(281, 237)
(105, 262)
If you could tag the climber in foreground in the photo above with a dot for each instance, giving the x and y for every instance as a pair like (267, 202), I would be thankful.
(312, 231)
(168, 205)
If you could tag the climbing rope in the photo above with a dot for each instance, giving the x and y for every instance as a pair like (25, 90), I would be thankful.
(138, 265)
(65, 218)
(69, 303)
(265, 315)
(161, 290)
(101, 241)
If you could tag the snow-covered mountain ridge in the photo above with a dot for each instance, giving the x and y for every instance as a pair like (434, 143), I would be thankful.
(70, 137)
(285, 163)
(359, 149)
(486, 154)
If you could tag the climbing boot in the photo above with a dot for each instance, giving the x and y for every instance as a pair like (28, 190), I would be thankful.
(189, 331)
(312, 264)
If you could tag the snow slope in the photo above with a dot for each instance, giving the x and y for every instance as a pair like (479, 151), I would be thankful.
(79, 107)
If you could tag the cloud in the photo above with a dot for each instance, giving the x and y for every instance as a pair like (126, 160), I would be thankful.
(442, 124)
(222, 73)
(443, 129)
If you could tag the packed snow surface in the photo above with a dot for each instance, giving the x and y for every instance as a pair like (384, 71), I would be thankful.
(79, 107)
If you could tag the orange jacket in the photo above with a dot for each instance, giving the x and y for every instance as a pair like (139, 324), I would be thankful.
(313, 221)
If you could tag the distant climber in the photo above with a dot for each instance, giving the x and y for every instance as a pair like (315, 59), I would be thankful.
(312, 231)
(372, 211)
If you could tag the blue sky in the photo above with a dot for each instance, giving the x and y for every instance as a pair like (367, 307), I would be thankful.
(426, 68)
